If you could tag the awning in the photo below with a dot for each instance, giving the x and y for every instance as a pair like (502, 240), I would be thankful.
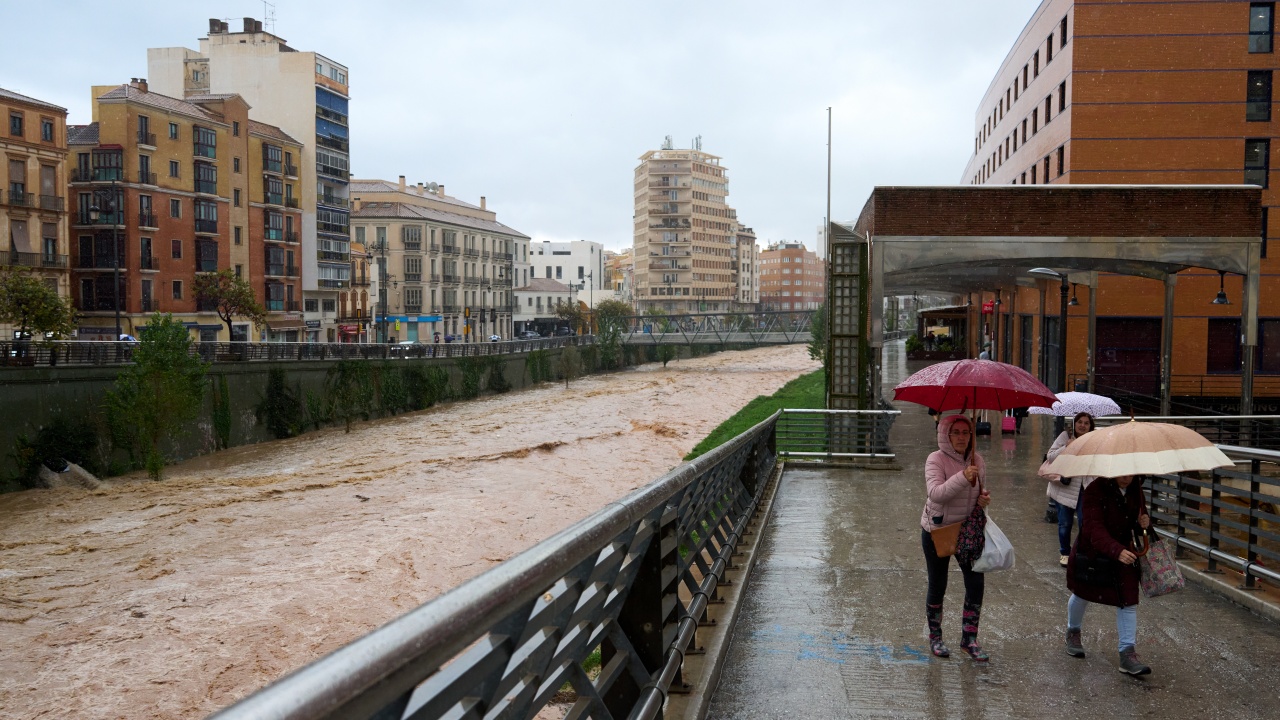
(290, 324)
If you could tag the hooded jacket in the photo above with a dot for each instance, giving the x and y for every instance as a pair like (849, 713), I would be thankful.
(1065, 493)
(949, 496)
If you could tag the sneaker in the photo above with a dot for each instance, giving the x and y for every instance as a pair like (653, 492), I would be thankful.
(1131, 665)
(1062, 560)
(1074, 647)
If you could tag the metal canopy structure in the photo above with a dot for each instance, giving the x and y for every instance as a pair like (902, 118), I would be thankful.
(970, 239)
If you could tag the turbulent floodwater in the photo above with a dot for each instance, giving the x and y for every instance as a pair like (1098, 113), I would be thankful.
(174, 599)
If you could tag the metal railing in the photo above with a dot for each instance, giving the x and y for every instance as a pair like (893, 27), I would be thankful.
(829, 436)
(107, 352)
(1228, 517)
(1258, 431)
(634, 579)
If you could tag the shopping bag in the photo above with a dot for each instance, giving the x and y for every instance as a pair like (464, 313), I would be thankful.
(997, 551)
(1160, 573)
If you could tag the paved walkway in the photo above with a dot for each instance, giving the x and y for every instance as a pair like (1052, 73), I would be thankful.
(832, 625)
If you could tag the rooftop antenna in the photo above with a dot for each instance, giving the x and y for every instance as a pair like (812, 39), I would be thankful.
(697, 143)
(269, 16)
(667, 144)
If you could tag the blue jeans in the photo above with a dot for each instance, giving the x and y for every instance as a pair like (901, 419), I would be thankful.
(1066, 518)
(1126, 621)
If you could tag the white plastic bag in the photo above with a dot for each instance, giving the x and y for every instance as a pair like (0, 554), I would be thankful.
(997, 554)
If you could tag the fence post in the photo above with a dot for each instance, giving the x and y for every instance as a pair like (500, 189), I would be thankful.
(1215, 495)
(1180, 552)
(642, 619)
(1255, 487)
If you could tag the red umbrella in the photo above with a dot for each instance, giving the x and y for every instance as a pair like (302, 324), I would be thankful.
(974, 385)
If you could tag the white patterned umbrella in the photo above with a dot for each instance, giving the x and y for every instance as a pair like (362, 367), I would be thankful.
(1071, 403)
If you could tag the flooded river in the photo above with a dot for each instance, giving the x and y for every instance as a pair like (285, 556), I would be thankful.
(174, 599)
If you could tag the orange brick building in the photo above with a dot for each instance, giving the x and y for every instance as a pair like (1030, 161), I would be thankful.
(1175, 92)
(791, 277)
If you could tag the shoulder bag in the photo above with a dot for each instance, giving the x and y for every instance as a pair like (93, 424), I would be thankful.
(1159, 571)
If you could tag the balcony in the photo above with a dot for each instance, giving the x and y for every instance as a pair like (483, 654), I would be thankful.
(332, 200)
(291, 202)
(273, 234)
(37, 260)
(146, 178)
(102, 304)
(272, 198)
(206, 305)
(435, 278)
(21, 199)
(470, 252)
(207, 227)
(334, 256)
(150, 305)
(104, 218)
(290, 170)
(146, 138)
(470, 280)
(333, 143)
(271, 166)
(98, 174)
(205, 151)
(434, 247)
(291, 236)
(450, 249)
(336, 284)
(334, 228)
(100, 260)
(206, 187)
(147, 220)
(412, 309)
(452, 279)
(413, 277)
(206, 256)
(484, 254)
(330, 115)
(281, 270)
(505, 257)
(275, 305)
(413, 246)
(452, 309)
(332, 171)
(360, 280)
(149, 262)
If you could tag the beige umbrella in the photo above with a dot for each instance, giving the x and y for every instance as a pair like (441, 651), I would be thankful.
(1138, 448)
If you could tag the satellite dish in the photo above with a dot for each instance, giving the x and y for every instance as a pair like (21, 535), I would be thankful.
(433, 187)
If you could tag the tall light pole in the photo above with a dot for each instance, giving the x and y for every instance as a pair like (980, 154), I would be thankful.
(112, 203)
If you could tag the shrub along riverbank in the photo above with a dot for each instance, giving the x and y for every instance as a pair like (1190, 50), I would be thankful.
(806, 391)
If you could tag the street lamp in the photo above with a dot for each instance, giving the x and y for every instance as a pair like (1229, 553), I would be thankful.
(1047, 274)
(384, 279)
(111, 201)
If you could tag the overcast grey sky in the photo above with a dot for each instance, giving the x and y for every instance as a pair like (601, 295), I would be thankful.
(544, 107)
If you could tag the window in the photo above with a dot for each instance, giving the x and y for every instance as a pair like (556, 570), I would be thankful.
(1035, 65)
(1048, 50)
(1046, 168)
(175, 170)
(15, 124)
(46, 130)
(1035, 121)
(206, 142)
(173, 131)
(1256, 158)
(177, 289)
(237, 234)
(1024, 77)
(235, 165)
(1062, 96)
(235, 197)
(1033, 174)
(177, 249)
(1258, 96)
(329, 305)
(559, 275)
(206, 178)
(1260, 27)
(1024, 131)
(1062, 159)
(235, 128)
(311, 305)
(1265, 229)
(1048, 103)
(175, 208)
(1268, 346)
(1223, 350)
(239, 270)
(1062, 32)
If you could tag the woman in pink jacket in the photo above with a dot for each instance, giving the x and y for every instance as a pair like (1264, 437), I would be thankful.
(954, 478)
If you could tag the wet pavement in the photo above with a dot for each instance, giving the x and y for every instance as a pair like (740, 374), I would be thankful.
(832, 624)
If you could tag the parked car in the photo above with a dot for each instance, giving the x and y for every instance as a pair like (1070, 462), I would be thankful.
(529, 335)
(561, 331)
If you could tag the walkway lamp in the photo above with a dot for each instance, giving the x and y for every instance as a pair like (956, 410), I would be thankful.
(1221, 299)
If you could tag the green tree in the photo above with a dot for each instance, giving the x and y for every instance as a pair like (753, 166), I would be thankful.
(160, 391)
(818, 335)
(570, 363)
(230, 296)
(573, 314)
(349, 388)
(662, 325)
(610, 322)
(31, 306)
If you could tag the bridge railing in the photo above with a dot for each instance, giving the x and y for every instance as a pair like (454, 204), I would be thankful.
(107, 352)
(1228, 516)
(833, 436)
(634, 579)
(1256, 431)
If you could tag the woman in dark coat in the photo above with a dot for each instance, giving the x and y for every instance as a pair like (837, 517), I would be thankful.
(1103, 567)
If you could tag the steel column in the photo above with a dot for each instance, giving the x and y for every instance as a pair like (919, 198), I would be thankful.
(1166, 346)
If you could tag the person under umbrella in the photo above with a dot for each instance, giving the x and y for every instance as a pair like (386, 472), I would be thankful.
(1065, 492)
(954, 478)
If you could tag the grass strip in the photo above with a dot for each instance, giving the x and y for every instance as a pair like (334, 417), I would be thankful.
(806, 391)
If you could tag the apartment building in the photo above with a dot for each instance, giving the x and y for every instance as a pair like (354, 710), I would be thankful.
(746, 270)
(685, 233)
(306, 95)
(1139, 93)
(579, 264)
(536, 305)
(273, 218)
(619, 270)
(166, 188)
(792, 277)
(33, 213)
(449, 265)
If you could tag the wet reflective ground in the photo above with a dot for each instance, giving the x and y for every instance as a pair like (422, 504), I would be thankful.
(832, 624)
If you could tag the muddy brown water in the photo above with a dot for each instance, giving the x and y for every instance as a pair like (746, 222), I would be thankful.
(174, 599)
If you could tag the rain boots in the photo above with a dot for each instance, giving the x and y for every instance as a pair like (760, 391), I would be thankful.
(933, 613)
(1131, 665)
(969, 633)
(1075, 648)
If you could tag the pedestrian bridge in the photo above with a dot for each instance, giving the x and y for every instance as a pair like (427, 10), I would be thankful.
(749, 328)
(748, 584)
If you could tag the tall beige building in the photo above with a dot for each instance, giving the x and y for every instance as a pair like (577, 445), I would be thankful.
(306, 95)
(686, 240)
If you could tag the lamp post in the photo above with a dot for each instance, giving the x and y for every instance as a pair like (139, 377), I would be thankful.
(591, 300)
(112, 203)
(385, 281)
(1047, 274)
